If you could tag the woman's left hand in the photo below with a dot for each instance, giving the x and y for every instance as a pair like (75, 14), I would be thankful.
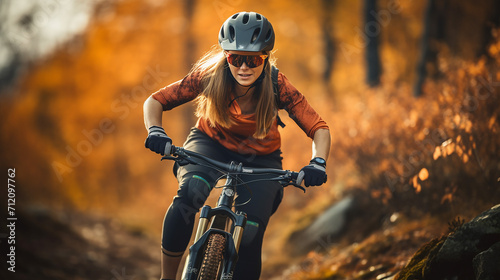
(313, 174)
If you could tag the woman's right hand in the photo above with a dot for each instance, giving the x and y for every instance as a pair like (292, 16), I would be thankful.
(158, 141)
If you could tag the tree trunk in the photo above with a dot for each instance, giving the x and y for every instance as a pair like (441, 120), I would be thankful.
(372, 30)
(329, 44)
(425, 49)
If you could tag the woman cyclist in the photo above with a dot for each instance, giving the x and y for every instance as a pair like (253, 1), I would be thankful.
(237, 111)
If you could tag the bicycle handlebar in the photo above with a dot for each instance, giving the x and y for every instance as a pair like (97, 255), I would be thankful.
(183, 157)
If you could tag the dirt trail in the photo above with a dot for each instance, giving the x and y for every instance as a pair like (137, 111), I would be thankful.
(81, 247)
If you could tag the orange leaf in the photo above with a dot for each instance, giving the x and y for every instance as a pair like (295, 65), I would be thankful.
(456, 119)
(447, 197)
(465, 158)
(491, 123)
(468, 126)
(450, 149)
(418, 188)
(415, 184)
(437, 153)
(423, 174)
(459, 150)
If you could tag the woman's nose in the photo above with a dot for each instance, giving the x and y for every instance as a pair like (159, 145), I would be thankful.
(244, 66)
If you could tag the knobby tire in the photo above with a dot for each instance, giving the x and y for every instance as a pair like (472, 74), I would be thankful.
(213, 257)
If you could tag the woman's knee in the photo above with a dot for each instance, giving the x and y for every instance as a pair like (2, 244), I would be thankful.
(253, 234)
(194, 189)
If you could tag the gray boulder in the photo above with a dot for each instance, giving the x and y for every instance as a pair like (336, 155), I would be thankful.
(487, 263)
(472, 238)
(323, 229)
(471, 251)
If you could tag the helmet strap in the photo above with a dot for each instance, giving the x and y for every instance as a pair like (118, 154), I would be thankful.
(262, 75)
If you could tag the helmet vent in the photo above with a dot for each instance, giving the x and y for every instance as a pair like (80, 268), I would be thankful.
(259, 17)
(222, 32)
(231, 32)
(268, 35)
(255, 35)
(246, 17)
(235, 16)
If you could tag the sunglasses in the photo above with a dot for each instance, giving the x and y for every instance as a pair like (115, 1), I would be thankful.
(251, 61)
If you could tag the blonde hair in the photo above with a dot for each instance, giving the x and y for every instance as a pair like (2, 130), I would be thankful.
(213, 103)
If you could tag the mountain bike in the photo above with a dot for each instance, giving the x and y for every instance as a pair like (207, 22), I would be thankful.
(215, 250)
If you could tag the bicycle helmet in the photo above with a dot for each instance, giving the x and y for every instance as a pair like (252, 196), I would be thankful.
(247, 31)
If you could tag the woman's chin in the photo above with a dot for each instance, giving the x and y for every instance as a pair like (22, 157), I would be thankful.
(245, 82)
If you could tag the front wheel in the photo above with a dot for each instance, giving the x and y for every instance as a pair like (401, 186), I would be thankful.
(212, 258)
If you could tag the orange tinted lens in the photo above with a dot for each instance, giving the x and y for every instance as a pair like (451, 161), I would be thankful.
(251, 60)
(235, 60)
(254, 60)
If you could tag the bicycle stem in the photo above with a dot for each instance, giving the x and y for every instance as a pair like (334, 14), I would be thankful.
(226, 198)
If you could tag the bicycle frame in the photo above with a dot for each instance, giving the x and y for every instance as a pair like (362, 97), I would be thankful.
(216, 220)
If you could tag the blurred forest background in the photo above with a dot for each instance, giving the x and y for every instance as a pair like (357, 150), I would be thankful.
(409, 88)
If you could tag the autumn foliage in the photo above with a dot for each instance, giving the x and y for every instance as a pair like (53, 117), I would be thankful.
(434, 149)
(429, 159)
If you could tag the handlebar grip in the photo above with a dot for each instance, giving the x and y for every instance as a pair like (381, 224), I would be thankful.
(300, 177)
(168, 149)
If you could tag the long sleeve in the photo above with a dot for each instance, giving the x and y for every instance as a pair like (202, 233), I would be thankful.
(298, 108)
(179, 92)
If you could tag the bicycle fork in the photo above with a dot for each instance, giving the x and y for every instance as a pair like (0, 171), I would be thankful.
(214, 220)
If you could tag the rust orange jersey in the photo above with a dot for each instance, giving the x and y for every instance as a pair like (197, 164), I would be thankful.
(239, 137)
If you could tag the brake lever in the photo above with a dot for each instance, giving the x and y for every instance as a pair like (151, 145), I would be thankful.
(285, 182)
(296, 186)
(168, 157)
(290, 180)
(180, 160)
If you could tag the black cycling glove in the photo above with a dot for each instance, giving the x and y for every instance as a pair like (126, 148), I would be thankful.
(313, 174)
(158, 141)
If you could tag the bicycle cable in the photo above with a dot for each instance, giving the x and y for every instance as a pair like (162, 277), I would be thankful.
(235, 176)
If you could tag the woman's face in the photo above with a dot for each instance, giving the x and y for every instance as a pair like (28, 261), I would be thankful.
(245, 75)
